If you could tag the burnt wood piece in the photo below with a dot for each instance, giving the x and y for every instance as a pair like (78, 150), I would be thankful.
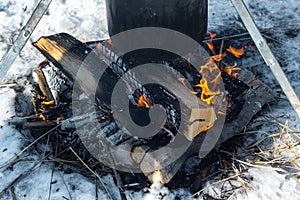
(68, 54)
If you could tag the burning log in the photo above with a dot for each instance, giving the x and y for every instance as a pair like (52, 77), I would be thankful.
(248, 96)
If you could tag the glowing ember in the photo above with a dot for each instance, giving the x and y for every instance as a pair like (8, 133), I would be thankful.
(143, 101)
(236, 52)
(47, 103)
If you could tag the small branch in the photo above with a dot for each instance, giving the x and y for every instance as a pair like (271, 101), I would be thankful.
(96, 189)
(30, 145)
(220, 181)
(12, 192)
(227, 37)
(116, 174)
(50, 185)
(100, 179)
(62, 178)
(20, 177)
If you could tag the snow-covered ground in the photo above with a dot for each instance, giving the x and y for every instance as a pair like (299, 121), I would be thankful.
(273, 173)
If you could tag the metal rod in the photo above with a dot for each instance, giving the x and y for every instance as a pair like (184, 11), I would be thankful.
(267, 54)
(9, 58)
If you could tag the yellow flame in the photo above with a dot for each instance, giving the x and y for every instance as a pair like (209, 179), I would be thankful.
(47, 103)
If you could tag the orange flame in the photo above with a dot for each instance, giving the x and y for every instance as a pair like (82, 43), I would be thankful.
(231, 70)
(221, 113)
(236, 52)
(210, 44)
(211, 47)
(143, 101)
(210, 75)
(41, 116)
(59, 118)
(212, 35)
(219, 57)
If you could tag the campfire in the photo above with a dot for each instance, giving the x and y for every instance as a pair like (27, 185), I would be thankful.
(243, 96)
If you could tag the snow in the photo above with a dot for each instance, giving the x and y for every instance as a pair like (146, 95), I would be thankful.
(86, 20)
(13, 142)
(157, 192)
(268, 184)
(7, 100)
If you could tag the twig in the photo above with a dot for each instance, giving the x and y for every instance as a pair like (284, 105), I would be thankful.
(273, 135)
(268, 37)
(12, 84)
(96, 189)
(50, 185)
(220, 181)
(20, 177)
(26, 148)
(62, 178)
(116, 174)
(100, 179)
(227, 37)
(12, 192)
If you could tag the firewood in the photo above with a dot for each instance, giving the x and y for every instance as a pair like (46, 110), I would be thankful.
(250, 94)
(69, 54)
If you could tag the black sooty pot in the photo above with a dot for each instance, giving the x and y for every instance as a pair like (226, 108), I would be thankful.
(186, 16)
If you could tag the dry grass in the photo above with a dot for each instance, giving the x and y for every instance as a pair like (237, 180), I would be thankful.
(278, 152)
